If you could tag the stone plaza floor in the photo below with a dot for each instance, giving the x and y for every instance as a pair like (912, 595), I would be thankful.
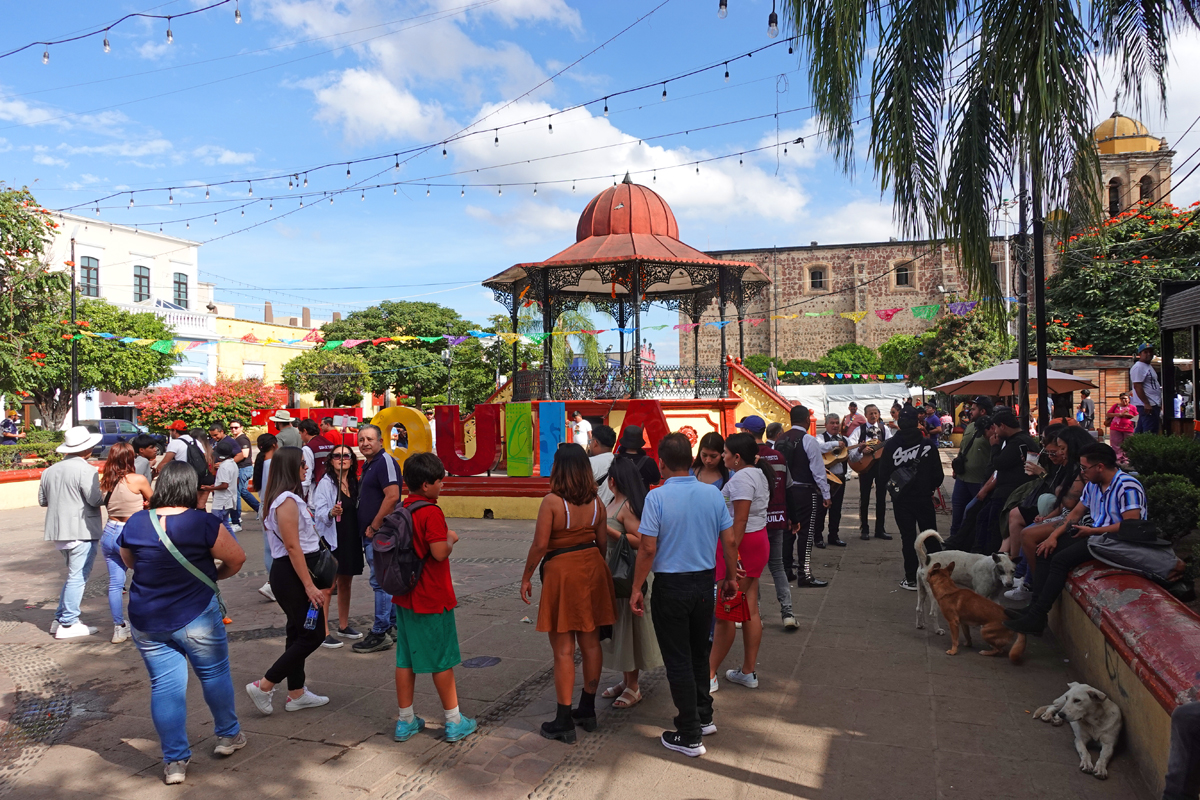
(857, 704)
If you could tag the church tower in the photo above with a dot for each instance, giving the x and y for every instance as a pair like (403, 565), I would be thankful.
(1134, 165)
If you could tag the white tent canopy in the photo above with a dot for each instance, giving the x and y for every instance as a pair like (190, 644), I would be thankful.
(835, 398)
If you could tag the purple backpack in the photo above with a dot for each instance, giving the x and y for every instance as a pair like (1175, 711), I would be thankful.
(397, 565)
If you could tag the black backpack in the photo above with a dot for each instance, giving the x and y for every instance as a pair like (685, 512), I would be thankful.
(197, 461)
(397, 565)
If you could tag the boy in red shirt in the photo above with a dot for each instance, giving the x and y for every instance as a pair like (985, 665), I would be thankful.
(426, 637)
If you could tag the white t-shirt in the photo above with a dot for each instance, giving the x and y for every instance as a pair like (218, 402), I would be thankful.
(178, 446)
(580, 431)
(227, 472)
(1144, 374)
(749, 483)
(309, 539)
(600, 466)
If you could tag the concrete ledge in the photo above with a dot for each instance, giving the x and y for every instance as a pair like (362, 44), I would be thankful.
(1132, 640)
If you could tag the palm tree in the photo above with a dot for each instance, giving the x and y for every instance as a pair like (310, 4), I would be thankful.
(562, 349)
(961, 91)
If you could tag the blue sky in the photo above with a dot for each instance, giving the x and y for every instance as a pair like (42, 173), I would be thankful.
(301, 83)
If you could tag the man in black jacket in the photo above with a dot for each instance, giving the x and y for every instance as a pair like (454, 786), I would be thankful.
(910, 461)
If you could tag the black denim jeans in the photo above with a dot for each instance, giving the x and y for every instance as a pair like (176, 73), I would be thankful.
(913, 517)
(300, 642)
(1050, 575)
(1183, 765)
(681, 609)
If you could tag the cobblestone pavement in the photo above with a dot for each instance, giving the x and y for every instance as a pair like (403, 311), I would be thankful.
(856, 704)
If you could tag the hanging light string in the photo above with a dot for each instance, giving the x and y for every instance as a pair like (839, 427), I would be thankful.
(103, 31)
(402, 157)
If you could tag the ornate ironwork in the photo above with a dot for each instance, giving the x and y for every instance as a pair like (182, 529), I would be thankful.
(612, 383)
(679, 382)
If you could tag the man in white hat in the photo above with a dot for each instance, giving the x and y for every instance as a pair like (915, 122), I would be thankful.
(70, 493)
(288, 436)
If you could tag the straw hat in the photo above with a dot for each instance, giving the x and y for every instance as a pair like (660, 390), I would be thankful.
(282, 415)
(79, 440)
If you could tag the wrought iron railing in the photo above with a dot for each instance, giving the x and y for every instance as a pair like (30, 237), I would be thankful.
(657, 382)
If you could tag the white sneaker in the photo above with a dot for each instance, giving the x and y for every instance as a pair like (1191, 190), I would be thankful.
(262, 699)
(1019, 592)
(235, 528)
(306, 700)
(74, 631)
(713, 685)
(175, 772)
(737, 676)
(709, 729)
(737, 625)
(790, 623)
(120, 633)
(265, 591)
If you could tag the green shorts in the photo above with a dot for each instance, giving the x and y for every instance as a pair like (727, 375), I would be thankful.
(426, 643)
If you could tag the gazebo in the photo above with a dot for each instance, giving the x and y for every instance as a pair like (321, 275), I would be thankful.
(627, 255)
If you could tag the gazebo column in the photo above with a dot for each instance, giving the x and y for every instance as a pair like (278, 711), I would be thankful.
(637, 331)
(696, 354)
(515, 306)
(621, 322)
(741, 309)
(547, 328)
(722, 290)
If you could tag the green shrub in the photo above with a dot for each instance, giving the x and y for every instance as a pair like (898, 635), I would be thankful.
(1173, 503)
(42, 436)
(1150, 454)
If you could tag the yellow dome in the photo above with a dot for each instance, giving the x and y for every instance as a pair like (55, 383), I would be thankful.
(1122, 134)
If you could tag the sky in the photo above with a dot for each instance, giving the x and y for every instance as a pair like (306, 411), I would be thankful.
(300, 84)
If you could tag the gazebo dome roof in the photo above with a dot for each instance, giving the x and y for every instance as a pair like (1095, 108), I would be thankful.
(627, 208)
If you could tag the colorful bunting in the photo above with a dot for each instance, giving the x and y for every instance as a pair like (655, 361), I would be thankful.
(926, 312)
(962, 308)
(857, 316)
(886, 314)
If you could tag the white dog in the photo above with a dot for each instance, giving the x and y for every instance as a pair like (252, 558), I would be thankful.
(985, 575)
(1093, 718)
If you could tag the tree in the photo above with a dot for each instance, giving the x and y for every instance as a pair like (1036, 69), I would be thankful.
(956, 346)
(1104, 296)
(200, 404)
(897, 352)
(960, 92)
(561, 350)
(29, 291)
(104, 365)
(850, 357)
(336, 377)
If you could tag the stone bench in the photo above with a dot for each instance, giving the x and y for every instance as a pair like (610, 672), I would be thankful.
(1131, 639)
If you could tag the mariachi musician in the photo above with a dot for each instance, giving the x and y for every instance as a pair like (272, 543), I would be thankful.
(865, 442)
(836, 453)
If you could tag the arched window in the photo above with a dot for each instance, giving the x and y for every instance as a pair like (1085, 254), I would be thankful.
(1114, 197)
(1146, 188)
(817, 281)
(904, 275)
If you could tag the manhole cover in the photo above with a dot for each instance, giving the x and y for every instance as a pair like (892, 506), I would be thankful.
(479, 662)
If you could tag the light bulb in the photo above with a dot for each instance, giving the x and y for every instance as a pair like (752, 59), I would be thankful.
(397, 162)
(499, 190)
(170, 36)
(697, 169)
(45, 56)
(727, 72)
(572, 187)
(664, 97)
(131, 201)
(443, 152)
(393, 191)
(347, 170)
(497, 142)
(97, 211)
(160, 227)
(330, 199)
(364, 196)
(739, 161)
(188, 225)
(237, 15)
(785, 149)
(205, 192)
(606, 106)
(107, 47)
(427, 191)
(723, 9)
(773, 25)
(250, 189)
(552, 127)
(791, 46)
(302, 202)
(535, 190)
(306, 180)
(243, 212)
(170, 196)
(654, 177)
(214, 219)
(271, 206)
(462, 192)
(289, 184)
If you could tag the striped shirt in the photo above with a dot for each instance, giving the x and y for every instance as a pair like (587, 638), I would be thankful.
(1107, 506)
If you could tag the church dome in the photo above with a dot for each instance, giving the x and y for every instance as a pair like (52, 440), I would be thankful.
(627, 208)
(1122, 134)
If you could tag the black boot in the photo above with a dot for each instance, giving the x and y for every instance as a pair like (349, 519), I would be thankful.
(865, 536)
(585, 715)
(806, 579)
(562, 727)
(835, 541)
(819, 541)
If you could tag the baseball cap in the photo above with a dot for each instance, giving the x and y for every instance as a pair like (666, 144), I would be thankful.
(226, 448)
(985, 402)
(908, 417)
(177, 425)
(752, 424)
(1144, 346)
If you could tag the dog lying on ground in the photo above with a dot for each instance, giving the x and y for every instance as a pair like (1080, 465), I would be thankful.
(1093, 718)
(962, 607)
(987, 575)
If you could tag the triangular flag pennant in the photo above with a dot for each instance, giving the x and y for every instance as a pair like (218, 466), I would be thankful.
(926, 312)
(857, 316)
(886, 314)
(720, 324)
(805, 374)
(962, 308)
(332, 344)
(814, 313)
(163, 346)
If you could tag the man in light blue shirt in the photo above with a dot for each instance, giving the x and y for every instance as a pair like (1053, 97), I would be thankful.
(682, 523)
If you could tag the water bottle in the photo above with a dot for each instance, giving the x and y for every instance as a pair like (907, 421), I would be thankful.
(310, 621)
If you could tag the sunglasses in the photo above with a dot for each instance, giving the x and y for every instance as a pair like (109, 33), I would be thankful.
(340, 455)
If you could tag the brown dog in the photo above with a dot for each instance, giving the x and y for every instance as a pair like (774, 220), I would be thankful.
(961, 605)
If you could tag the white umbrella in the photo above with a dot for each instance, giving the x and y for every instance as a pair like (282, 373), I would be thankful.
(1002, 380)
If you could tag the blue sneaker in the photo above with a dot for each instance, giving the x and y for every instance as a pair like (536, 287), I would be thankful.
(462, 729)
(407, 730)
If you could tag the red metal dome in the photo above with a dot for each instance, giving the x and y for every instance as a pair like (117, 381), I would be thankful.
(626, 208)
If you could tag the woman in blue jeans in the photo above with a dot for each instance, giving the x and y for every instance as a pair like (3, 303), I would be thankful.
(176, 615)
(125, 493)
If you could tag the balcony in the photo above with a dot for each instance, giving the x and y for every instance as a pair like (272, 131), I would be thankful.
(186, 324)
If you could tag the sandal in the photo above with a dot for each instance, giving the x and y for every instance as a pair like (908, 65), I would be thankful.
(614, 691)
(628, 699)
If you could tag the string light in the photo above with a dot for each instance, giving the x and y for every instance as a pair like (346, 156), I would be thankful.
(271, 206)
(170, 36)
(499, 190)
(107, 47)
(723, 9)
(214, 219)
(131, 199)
(535, 190)
(330, 199)
(170, 196)
(205, 192)
(302, 202)
(289, 184)
(551, 125)
(497, 142)
(397, 157)
(243, 212)
(347, 172)
(773, 22)
(237, 14)
(427, 190)
(364, 196)
(606, 106)
(97, 211)
(443, 151)
(188, 225)
(393, 191)
(250, 188)
(654, 176)
(46, 56)
(664, 97)
(791, 48)
(727, 72)
(306, 180)
(572, 187)
(697, 169)
(462, 192)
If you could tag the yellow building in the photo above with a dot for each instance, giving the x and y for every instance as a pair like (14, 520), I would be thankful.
(238, 357)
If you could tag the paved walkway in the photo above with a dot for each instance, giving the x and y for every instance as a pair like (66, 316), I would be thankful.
(857, 704)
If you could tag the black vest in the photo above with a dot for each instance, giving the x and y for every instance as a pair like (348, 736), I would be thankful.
(799, 466)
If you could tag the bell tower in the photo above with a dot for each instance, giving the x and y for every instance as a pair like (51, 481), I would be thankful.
(1134, 165)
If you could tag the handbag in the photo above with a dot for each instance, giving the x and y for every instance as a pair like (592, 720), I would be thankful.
(322, 566)
(735, 609)
(183, 562)
(622, 559)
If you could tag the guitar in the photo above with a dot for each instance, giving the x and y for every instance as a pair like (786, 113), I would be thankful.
(868, 456)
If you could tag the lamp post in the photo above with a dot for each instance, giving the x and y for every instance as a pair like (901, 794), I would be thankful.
(74, 347)
(448, 359)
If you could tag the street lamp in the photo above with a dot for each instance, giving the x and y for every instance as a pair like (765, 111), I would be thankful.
(74, 344)
(448, 360)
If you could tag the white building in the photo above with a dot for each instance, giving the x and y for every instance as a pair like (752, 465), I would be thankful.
(140, 271)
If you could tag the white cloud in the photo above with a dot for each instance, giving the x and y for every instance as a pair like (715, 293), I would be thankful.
(528, 222)
(211, 154)
(5, 145)
(23, 113)
(855, 221)
(150, 147)
(154, 50)
(48, 161)
(369, 106)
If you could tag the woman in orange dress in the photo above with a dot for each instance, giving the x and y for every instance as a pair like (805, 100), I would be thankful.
(578, 598)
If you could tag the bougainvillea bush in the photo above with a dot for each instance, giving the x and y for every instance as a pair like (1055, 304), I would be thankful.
(200, 404)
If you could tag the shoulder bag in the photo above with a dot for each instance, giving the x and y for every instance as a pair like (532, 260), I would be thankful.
(322, 566)
(621, 562)
(183, 562)
(735, 609)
